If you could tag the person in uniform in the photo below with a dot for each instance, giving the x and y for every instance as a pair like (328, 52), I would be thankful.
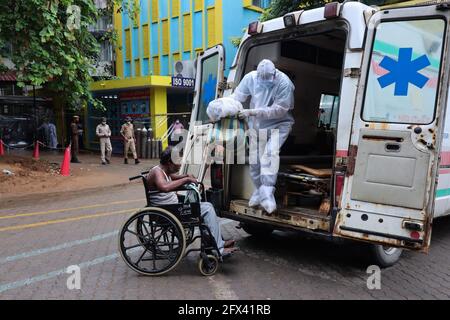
(75, 138)
(127, 133)
(104, 134)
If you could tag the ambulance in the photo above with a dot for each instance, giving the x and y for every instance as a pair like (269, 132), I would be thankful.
(368, 158)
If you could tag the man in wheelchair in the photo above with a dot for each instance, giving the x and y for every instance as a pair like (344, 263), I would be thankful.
(164, 178)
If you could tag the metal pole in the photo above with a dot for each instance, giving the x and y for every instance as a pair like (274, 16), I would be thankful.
(36, 123)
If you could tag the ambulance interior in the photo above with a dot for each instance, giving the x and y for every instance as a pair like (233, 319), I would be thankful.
(314, 64)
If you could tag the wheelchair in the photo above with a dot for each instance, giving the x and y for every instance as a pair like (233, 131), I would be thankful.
(155, 239)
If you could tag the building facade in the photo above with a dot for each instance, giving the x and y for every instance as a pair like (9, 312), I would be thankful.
(162, 33)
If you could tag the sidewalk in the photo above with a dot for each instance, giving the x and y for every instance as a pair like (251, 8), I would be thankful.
(42, 177)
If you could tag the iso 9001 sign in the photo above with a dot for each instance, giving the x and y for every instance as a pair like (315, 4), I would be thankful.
(183, 82)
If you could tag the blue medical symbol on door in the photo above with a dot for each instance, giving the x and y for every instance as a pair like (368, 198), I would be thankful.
(209, 89)
(404, 71)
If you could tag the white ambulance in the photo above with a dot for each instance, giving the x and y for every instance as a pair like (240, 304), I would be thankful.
(368, 158)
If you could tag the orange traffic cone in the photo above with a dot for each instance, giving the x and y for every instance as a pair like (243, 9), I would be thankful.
(36, 151)
(65, 166)
(2, 150)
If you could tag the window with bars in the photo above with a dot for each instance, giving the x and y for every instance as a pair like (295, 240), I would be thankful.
(261, 3)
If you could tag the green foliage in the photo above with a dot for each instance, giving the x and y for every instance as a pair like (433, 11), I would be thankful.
(279, 8)
(47, 52)
(236, 41)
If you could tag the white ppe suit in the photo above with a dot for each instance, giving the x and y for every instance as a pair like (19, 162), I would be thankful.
(272, 99)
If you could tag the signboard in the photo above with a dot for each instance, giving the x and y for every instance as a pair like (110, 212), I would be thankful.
(179, 82)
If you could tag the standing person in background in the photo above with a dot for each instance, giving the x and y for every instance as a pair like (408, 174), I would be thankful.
(75, 133)
(177, 134)
(44, 132)
(127, 133)
(104, 134)
(53, 144)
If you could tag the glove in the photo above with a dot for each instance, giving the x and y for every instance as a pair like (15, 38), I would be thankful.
(244, 114)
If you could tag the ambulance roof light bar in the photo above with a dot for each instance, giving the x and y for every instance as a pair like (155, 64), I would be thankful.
(332, 10)
(292, 19)
(255, 27)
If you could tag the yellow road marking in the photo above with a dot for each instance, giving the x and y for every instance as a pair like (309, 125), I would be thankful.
(32, 214)
(46, 223)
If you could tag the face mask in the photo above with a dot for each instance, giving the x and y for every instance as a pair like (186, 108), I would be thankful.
(266, 83)
(104, 123)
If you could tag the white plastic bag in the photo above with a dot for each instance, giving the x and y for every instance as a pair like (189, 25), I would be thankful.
(222, 108)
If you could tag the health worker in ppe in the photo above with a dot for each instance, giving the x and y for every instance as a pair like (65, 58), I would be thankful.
(272, 99)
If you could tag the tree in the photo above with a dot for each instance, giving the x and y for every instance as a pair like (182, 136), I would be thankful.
(52, 46)
(279, 8)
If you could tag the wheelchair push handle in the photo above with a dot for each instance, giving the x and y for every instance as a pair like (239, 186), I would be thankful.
(141, 176)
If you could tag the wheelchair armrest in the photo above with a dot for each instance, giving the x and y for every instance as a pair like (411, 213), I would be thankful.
(182, 188)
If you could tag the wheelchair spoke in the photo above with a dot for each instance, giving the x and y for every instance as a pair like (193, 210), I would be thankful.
(146, 230)
(136, 234)
(162, 234)
(133, 247)
(154, 260)
(161, 238)
(142, 256)
(150, 222)
(171, 245)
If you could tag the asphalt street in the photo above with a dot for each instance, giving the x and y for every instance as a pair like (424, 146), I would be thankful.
(41, 237)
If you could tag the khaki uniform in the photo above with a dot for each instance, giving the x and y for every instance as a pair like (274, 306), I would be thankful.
(104, 134)
(74, 140)
(128, 132)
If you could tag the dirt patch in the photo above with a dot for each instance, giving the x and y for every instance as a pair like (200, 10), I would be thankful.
(30, 176)
(23, 167)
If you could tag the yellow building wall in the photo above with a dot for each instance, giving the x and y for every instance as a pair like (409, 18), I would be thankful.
(158, 111)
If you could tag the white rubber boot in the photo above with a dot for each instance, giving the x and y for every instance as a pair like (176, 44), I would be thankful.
(268, 200)
(255, 200)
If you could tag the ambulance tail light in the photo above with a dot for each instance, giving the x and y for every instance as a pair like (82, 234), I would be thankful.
(217, 176)
(332, 10)
(339, 186)
(255, 28)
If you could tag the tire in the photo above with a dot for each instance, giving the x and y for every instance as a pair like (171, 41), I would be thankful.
(383, 256)
(166, 252)
(210, 268)
(257, 230)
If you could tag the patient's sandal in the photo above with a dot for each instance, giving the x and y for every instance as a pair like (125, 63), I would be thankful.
(229, 243)
(228, 252)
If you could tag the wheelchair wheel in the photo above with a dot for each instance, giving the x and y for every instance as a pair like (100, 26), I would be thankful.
(208, 268)
(152, 242)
